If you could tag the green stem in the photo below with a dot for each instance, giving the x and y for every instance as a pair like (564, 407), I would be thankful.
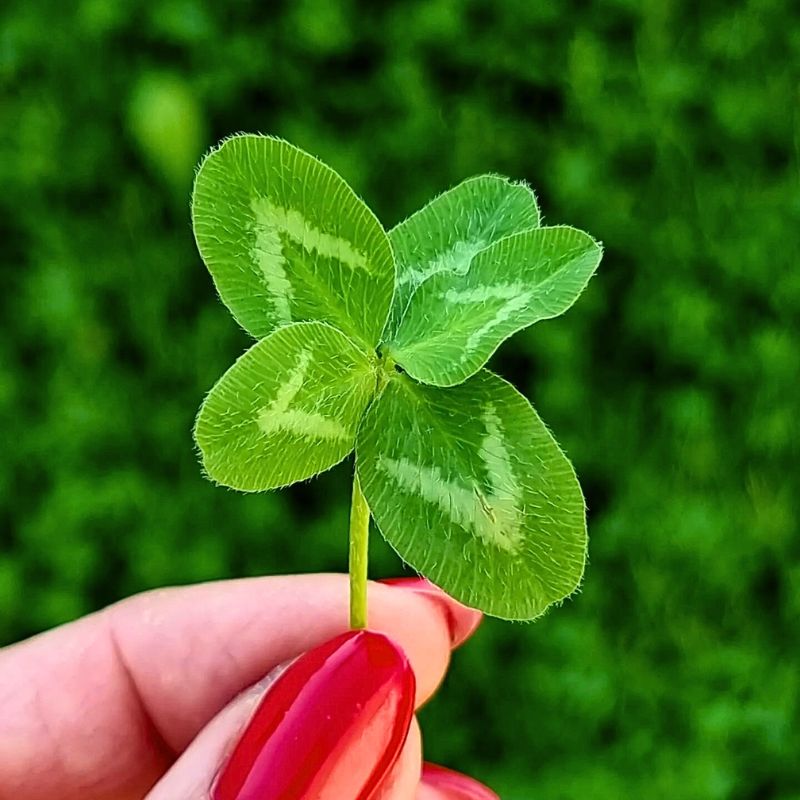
(359, 546)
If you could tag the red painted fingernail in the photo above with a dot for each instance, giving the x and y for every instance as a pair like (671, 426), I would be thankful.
(461, 620)
(454, 785)
(331, 726)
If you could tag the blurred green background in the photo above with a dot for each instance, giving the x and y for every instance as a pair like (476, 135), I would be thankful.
(668, 129)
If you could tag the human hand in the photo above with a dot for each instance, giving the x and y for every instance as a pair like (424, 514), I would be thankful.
(152, 694)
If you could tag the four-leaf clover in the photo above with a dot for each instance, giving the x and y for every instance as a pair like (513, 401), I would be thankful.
(378, 343)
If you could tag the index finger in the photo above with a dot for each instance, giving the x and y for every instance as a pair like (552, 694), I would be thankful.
(100, 708)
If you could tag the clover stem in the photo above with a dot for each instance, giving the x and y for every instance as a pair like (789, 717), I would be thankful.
(359, 546)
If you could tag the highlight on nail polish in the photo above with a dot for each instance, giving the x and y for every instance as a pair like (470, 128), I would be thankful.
(331, 726)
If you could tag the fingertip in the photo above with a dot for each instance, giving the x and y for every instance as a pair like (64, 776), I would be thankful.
(462, 621)
(336, 722)
(404, 778)
(419, 627)
(440, 783)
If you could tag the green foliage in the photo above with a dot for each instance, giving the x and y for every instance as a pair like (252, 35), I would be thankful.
(471, 489)
(467, 485)
(285, 239)
(445, 235)
(167, 124)
(286, 410)
(456, 319)
(668, 129)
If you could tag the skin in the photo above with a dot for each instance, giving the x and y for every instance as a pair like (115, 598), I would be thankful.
(145, 698)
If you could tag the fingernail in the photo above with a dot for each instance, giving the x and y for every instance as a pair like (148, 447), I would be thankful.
(454, 785)
(331, 726)
(461, 620)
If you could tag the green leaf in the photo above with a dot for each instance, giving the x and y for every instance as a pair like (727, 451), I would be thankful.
(470, 488)
(286, 410)
(286, 239)
(446, 234)
(454, 323)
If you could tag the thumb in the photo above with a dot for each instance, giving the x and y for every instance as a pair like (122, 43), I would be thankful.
(331, 724)
(192, 775)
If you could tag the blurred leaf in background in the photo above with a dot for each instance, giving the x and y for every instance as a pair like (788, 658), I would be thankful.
(166, 123)
(667, 128)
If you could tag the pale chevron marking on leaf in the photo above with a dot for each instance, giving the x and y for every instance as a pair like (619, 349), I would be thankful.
(495, 517)
(277, 416)
(456, 259)
(292, 223)
(516, 295)
(505, 498)
(268, 255)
